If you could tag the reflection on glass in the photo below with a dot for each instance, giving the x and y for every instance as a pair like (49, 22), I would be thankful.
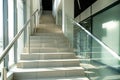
(110, 25)
(10, 30)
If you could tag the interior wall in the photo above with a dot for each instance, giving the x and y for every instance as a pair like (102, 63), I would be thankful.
(56, 4)
(32, 6)
(67, 26)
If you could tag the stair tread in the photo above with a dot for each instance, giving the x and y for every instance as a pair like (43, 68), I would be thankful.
(47, 69)
(62, 78)
(49, 60)
(47, 53)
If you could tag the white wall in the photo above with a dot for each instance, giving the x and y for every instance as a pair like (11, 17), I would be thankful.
(32, 6)
(36, 4)
(96, 7)
(67, 26)
(56, 4)
(28, 8)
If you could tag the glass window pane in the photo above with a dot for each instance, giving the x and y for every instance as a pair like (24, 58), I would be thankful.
(106, 26)
(20, 22)
(11, 29)
(1, 28)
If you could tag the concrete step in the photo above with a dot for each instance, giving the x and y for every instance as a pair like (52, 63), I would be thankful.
(52, 45)
(43, 56)
(47, 37)
(49, 41)
(49, 44)
(48, 30)
(49, 50)
(48, 63)
(60, 78)
(48, 34)
(48, 72)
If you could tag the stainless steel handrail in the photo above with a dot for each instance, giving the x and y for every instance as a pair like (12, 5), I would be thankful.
(5, 51)
(96, 39)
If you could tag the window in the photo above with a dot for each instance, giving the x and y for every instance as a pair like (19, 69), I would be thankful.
(1, 26)
(106, 26)
(1, 29)
(20, 21)
(11, 29)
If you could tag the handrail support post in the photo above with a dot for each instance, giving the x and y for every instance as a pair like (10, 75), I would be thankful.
(4, 73)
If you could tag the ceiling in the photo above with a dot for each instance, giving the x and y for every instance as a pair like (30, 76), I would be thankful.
(78, 8)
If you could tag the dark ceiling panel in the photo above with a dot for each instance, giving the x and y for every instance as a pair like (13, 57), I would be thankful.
(83, 5)
(47, 4)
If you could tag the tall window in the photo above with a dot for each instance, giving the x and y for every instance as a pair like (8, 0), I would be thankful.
(1, 25)
(20, 22)
(1, 28)
(10, 29)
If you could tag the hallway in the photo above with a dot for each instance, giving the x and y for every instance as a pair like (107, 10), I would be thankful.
(50, 57)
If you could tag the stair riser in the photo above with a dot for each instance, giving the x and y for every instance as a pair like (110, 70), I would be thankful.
(48, 45)
(47, 56)
(45, 64)
(47, 35)
(50, 74)
(49, 41)
(49, 50)
(44, 37)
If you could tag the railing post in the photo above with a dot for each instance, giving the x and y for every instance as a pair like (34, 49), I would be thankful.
(4, 74)
(35, 23)
(28, 39)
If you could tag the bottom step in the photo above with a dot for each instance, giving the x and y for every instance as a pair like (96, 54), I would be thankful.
(60, 78)
(48, 72)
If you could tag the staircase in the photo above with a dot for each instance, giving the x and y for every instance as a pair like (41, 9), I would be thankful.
(50, 57)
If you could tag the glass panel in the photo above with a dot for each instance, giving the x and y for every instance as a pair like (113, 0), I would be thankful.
(99, 55)
(1, 29)
(81, 38)
(108, 27)
(20, 25)
(1, 25)
(11, 29)
(98, 62)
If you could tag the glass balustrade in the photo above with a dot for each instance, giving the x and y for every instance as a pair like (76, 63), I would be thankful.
(96, 57)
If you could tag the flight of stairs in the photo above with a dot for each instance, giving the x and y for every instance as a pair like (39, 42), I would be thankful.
(50, 57)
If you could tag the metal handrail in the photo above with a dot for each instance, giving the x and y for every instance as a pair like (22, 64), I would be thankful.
(5, 51)
(96, 39)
